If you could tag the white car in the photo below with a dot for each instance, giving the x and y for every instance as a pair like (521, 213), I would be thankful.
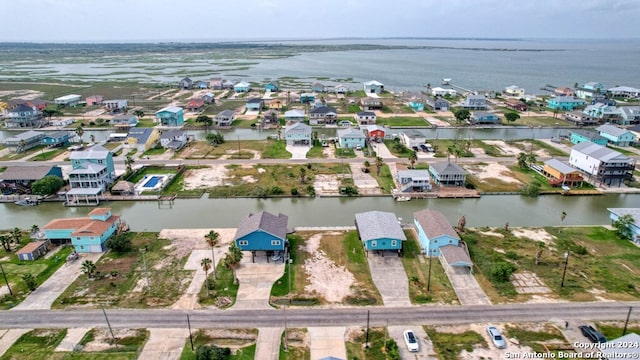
(412, 341)
(496, 337)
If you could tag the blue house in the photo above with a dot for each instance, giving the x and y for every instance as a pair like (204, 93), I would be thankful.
(298, 134)
(483, 117)
(255, 104)
(617, 136)
(202, 85)
(434, 231)
(577, 136)
(317, 87)
(242, 86)
(373, 87)
(87, 234)
(351, 138)
(615, 213)
(564, 103)
(272, 86)
(379, 230)
(307, 98)
(170, 116)
(57, 138)
(93, 170)
(417, 105)
(262, 232)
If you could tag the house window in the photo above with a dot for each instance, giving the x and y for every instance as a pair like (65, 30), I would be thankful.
(435, 241)
(275, 242)
(374, 243)
(394, 242)
(81, 247)
(243, 243)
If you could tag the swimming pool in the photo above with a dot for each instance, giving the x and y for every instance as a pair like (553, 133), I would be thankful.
(152, 182)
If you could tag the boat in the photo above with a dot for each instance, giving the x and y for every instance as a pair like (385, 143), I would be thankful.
(27, 202)
(403, 198)
(446, 81)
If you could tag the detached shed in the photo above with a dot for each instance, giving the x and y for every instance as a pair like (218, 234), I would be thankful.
(455, 256)
(33, 250)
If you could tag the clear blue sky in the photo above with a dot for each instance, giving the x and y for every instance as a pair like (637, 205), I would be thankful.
(188, 20)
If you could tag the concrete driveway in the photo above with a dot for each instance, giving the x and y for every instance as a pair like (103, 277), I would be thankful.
(8, 337)
(390, 278)
(298, 151)
(426, 346)
(268, 343)
(164, 344)
(189, 299)
(466, 286)
(327, 341)
(256, 280)
(44, 296)
(382, 151)
(365, 183)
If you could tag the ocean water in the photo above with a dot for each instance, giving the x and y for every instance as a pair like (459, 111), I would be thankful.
(471, 63)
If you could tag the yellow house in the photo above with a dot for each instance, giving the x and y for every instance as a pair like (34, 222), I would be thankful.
(275, 104)
(3, 106)
(143, 139)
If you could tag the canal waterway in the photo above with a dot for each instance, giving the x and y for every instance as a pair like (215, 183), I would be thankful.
(489, 210)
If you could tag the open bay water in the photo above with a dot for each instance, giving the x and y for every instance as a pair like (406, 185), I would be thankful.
(471, 63)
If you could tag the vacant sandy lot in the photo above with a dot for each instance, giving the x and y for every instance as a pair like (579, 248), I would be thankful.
(183, 241)
(22, 94)
(533, 234)
(330, 281)
(492, 170)
(214, 175)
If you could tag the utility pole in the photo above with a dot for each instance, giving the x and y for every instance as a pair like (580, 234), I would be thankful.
(564, 272)
(190, 335)
(429, 276)
(109, 326)
(286, 347)
(5, 279)
(146, 271)
(366, 343)
(624, 331)
(289, 261)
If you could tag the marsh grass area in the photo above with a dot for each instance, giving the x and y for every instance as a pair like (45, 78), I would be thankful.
(417, 268)
(600, 264)
(377, 350)
(448, 346)
(41, 268)
(96, 344)
(120, 279)
(234, 149)
(241, 342)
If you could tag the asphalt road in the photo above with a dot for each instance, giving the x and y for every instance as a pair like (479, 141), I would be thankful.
(379, 316)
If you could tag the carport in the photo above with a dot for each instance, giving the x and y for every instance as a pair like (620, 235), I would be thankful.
(455, 258)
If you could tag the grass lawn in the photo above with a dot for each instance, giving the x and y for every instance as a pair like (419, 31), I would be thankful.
(448, 346)
(244, 123)
(540, 121)
(35, 344)
(280, 289)
(150, 170)
(352, 109)
(297, 348)
(402, 121)
(120, 280)
(146, 123)
(41, 269)
(545, 338)
(316, 152)
(442, 146)
(535, 145)
(346, 250)
(241, 341)
(270, 149)
(622, 150)
(223, 291)
(612, 330)
(111, 145)
(17, 156)
(418, 271)
(47, 155)
(345, 153)
(177, 186)
(155, 151)
(397, 148)
(600, 263)
(376, 350)
(385, 180)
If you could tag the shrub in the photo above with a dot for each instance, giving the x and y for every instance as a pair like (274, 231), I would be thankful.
(294, 191)
(212, 352)
(119, 243)
(276, 190)
(501, 271)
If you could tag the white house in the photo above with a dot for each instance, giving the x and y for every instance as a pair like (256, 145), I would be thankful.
(624, 91)
(373, 87)
(514, 91)
(438, 91)
(115, 104)
(61, 122)
(68, 100)
(366, 117)
(412, 138)
(602, 164)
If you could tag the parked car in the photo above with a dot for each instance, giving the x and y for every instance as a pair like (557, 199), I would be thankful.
(358, 147)
(364, 169)
(496, 337)
(325, 144)
(592, 334)
(415, 148)
(423, 147)
(411, 340)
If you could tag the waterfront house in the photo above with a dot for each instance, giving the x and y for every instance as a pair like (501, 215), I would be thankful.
(294, 115)
(215, 83)
(434, 231)
(185, 84)
(94, 100)
(624, 92)
(417, 104)
(411, 138)
(23, 141)
(228, 84)
(208, 98)
(564, 103)
(269, 119)
(615, 213)
(317, 87)
(254, 104)
(484, 118)
(414, 180)
(92, 172)
(23, 116)
(514, 91)
(57, 138)
(373, 87)
(474, 102)
(590, 89)
(242, 86)
(195, 104)
(68, 100)
(603, 112)
(379, 231)
(272, 86)
(173, 139)
(341, 89)
(262, 232)
(374, 132)
(617, 136)
(603, 99)
(559, 173)
(18, 179)
(143, 139)
(124, 121)
(225, 118)
(298, 134)
(563, 91)
(202, 85)
(323, 115)
(170, 116)
(351, 138)
(366, 117)
(38, 104)
(579, 118)
(370, 103)
(275, 104)
(33, 250)
(61, 122)
(447, 174)
(116, 104)
(602, 164)
(87, 234)
(629, 115)
(576, 136)
(438, 91)
(516, 104)
(635, 130)
(307, 98)
(437, 104)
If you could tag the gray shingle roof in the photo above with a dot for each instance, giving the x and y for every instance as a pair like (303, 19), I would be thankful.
(94, 152)
(142, 134)
(374, 225)
(171, 134)
(21, 108)
(25, 172)
(267, 222)
(323, 110)
(448, 168)
(297, 127)
(455, 255)
(634, 212)
(434, 223)
(226, 113)
(414, 174)
(351, 133)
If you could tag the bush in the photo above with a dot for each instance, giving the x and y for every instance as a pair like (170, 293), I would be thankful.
(294, 192)
(276, 190)
(212, 352)
(501, 271)
(311, 190)
(47, 185)
(532, 189)
(119, 243)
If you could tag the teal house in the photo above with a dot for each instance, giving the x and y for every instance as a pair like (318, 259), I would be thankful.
(57, 138)
(298, 134)
(434, 231)
(170, 116)
(86, 234)
(262, 232)
(351, 138)
(307, 98)
(242, 86)
(272, 86)
(577, 136)
(617, 136)
(417, 105)
(379, 230)
(564, 103)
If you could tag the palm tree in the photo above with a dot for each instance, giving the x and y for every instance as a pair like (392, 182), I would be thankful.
(16, 234)
(232, 260)
(138, 113)
(35, 228)
(379, 163)
(5, 240)
(303, 175)
(128, 161)
(522, 160)
(80, 132)
(213, 238)
(22, 143)
(88, 267)
(92, 138)
(206, 266)
(413, 157)
(563, 215)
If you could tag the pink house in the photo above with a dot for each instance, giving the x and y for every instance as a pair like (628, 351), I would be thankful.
(94, 100)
